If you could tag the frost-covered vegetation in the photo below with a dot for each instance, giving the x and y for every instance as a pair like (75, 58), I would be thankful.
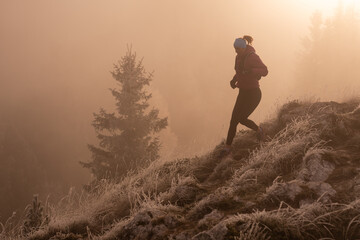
(303, 182)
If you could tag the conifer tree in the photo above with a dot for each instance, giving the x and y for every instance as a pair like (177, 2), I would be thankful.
(128, 138)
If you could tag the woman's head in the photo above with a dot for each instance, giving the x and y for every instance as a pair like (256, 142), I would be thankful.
(241, 43)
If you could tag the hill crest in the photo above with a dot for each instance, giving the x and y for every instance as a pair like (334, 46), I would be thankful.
(303, 182)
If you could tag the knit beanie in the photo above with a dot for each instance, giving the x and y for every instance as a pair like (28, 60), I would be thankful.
(239, 43)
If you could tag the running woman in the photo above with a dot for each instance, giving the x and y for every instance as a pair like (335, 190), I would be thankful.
(249, 70)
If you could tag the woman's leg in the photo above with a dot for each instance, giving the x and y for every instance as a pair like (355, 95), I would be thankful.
(251, 101)
(234, 118)
(246, 103)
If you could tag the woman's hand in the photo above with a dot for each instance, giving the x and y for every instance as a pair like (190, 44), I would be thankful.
(233, 83)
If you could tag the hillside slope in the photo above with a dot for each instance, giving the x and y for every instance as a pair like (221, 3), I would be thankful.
(303, 182)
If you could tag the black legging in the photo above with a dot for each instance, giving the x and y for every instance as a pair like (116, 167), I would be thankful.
(246, 102)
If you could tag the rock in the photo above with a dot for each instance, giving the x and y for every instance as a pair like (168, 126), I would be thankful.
(315, 169)
(282, 191)
(324, 190)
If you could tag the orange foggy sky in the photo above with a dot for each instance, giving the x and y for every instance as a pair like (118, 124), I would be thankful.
(56, 57)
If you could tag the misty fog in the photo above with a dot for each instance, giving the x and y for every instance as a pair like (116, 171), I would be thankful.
(56, 58)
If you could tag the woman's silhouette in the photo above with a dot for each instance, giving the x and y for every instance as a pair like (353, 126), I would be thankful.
(249, 69)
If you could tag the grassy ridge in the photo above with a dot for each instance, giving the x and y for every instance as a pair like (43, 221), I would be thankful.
(301, 183)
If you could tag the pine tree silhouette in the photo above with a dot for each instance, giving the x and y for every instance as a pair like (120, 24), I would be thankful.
(128, 137)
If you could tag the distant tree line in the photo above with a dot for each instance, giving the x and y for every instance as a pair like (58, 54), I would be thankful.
(329, 62)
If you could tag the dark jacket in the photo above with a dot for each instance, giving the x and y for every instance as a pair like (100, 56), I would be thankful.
(249, 69)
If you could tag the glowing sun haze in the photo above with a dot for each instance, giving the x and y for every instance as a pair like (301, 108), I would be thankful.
(326, 7)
